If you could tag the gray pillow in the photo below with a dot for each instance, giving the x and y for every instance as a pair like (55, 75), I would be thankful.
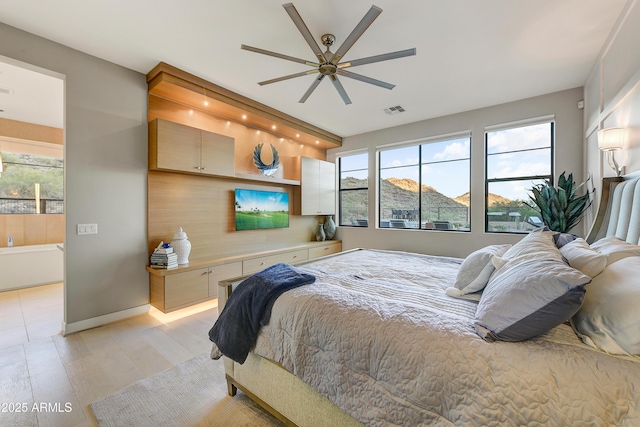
(528, 299)
(475, 271)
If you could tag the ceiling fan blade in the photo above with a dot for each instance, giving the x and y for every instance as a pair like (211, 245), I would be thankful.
(365, 79)
(362, 26)
(278, 55)
(302, 27)
(313, 87)
(340, 89)
(290, 76)
(378, 58)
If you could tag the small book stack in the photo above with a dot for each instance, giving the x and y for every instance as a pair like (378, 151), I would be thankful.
(164, 257)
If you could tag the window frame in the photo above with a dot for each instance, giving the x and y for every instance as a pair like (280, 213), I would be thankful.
(419, 143)
(341, 190)
(487, 181)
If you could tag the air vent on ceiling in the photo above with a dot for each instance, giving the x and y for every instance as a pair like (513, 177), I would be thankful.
(6, 90)
(394, 110)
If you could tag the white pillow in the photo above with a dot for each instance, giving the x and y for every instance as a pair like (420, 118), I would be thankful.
(615, 249)
(582, 257)
(475, 271)
(536, 245)
(609, 318)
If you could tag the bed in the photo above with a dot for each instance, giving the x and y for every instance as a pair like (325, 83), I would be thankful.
(391, 338)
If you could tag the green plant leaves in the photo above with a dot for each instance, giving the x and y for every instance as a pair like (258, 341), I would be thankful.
(559, 207)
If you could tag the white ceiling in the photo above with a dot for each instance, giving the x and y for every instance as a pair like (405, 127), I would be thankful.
(470, 53)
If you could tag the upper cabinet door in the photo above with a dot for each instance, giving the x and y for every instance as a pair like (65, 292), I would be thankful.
(217, 154)
(327, 188)
(317, 187)
(177, 147)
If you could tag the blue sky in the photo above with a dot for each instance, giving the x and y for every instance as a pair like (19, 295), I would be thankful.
(262, 200)
(446, 165)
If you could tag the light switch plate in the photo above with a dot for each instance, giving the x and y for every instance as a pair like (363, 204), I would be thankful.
(86, 229)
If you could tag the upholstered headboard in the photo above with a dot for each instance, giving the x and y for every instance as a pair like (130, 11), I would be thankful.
(619, 211)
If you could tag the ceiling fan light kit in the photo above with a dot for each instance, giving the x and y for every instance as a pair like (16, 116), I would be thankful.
(328, 63)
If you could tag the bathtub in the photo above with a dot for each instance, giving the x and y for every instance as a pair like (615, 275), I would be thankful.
(25, 266)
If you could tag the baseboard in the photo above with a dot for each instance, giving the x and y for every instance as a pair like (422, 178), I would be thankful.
(94, 322)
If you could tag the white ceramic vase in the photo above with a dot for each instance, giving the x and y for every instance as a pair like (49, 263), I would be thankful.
(181, 246)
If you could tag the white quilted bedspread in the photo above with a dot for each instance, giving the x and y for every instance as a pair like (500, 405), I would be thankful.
(377, 335)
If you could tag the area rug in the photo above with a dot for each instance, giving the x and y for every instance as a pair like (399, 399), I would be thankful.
(193, 393)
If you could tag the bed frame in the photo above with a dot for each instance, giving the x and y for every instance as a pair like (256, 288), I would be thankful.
(296, 404)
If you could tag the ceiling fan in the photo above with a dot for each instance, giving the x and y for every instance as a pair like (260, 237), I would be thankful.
(328, 62)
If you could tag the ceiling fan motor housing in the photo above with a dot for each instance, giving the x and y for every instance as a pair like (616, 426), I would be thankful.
(328, 69)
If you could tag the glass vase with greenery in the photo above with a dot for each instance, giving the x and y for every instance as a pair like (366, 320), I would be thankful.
(560, 207)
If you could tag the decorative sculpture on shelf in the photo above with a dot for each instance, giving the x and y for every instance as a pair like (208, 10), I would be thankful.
(267, 170)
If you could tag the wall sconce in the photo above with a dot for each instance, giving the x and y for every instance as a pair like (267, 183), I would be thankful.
(610, 140)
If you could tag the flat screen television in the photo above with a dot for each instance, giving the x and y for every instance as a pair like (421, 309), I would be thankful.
(257, 210)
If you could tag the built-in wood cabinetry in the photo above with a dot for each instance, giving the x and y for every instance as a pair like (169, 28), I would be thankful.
(192, 186)
(317, 192)
(187, 285)
(179, 148)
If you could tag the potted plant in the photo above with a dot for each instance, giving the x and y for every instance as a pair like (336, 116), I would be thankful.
(560, 208)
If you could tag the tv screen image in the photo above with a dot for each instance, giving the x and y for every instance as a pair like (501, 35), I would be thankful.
(257, 210)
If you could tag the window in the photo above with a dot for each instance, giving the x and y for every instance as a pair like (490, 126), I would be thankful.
(354, 190)
(30, 184)
(518, 157)
(426, 186)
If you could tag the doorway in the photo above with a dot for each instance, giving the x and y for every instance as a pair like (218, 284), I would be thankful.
(32, 215)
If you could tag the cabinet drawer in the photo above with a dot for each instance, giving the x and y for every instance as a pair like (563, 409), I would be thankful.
(254, 265)
(324, 250)
(185, 288)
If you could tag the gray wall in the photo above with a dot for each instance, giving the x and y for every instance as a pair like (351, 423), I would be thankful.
(105, 175)
(568, 157)
(612, 96)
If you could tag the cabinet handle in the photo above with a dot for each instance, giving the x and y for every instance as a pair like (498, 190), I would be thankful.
(326, 249)
(295, 256)
(262, 263)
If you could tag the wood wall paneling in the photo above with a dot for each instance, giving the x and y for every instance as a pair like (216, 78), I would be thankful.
(32, 229)
(31, 132)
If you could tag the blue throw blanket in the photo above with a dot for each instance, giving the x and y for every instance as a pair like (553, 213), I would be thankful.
(249, 307)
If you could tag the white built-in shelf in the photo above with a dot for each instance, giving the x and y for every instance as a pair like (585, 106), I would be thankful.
(267, 179)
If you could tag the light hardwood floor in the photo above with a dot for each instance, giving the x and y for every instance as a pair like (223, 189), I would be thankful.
(38, 365)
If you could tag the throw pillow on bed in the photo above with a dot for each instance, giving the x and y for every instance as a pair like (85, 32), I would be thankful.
(584, 258)
(475, 271)
(531, 293)
(529, 299)
(615, 249)
(609, 318)
(537, 244)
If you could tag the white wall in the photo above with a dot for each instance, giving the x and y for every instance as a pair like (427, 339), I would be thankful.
(105, 176)
(568, 157)
(612, 95)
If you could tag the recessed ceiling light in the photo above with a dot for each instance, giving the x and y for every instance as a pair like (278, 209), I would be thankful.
(244, 117)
